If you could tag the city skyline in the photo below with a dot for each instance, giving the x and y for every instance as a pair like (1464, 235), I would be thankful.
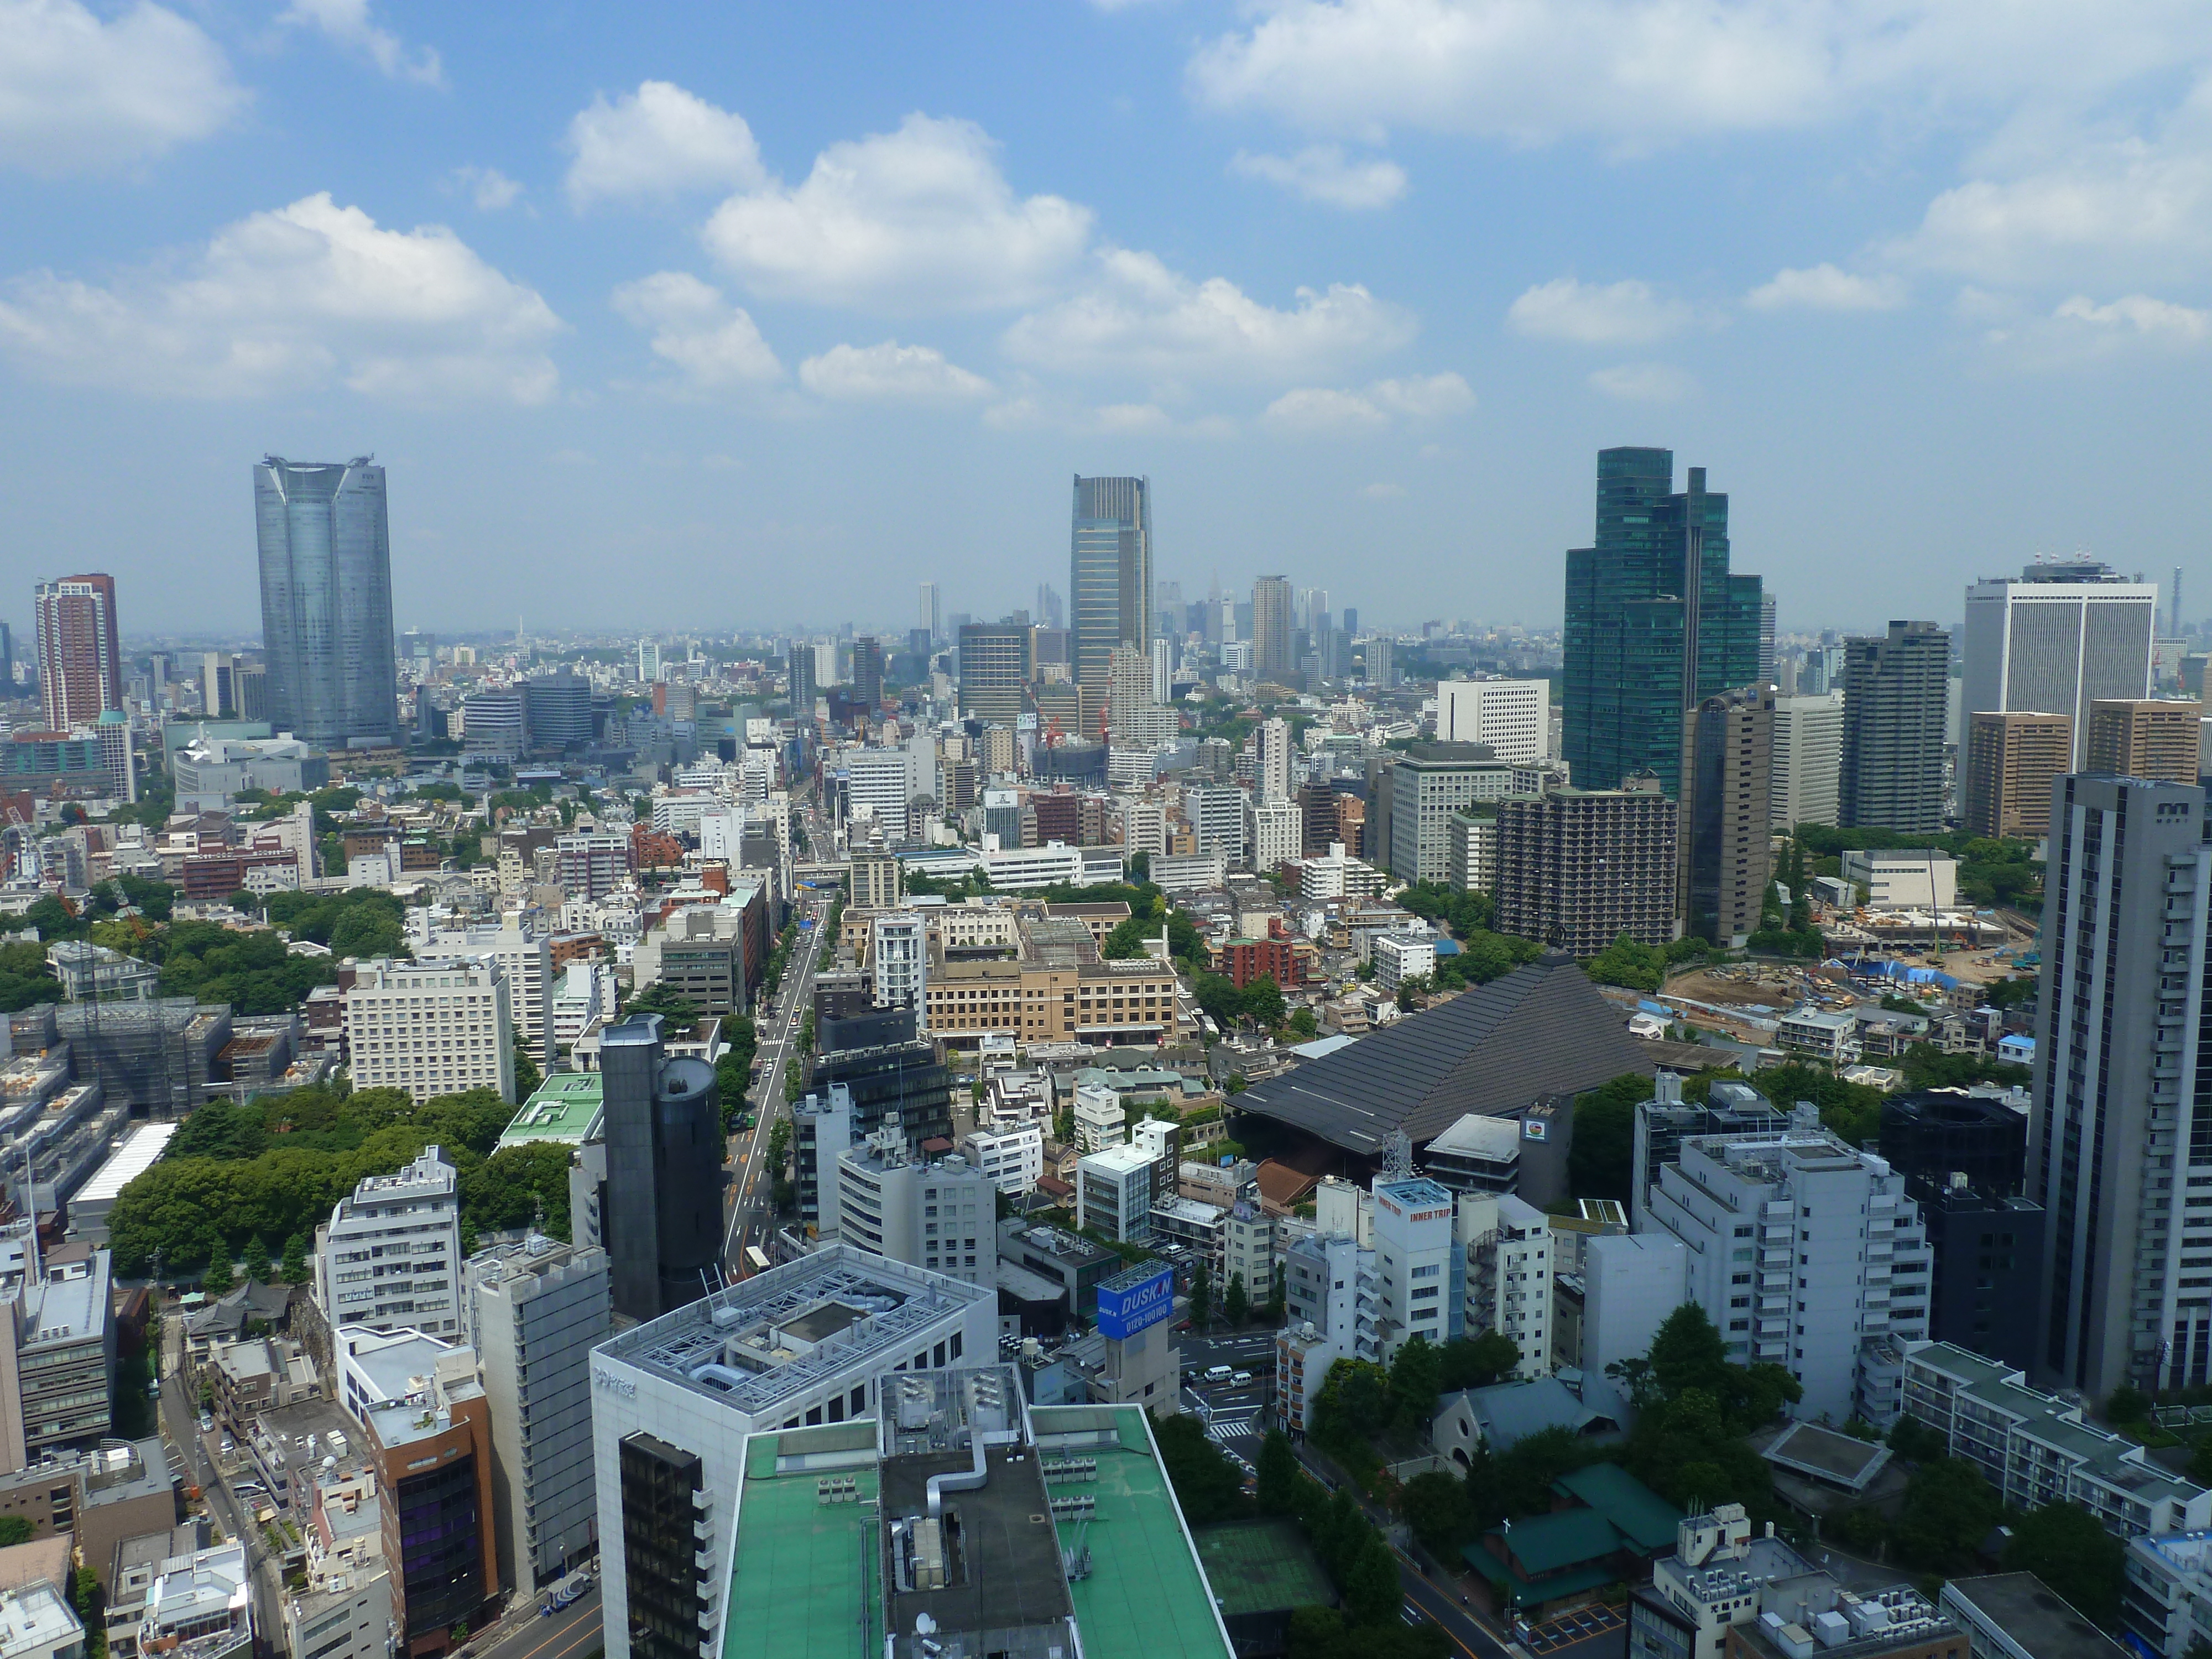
(676, 305)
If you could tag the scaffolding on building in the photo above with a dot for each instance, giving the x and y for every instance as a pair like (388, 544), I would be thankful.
(157, 1058)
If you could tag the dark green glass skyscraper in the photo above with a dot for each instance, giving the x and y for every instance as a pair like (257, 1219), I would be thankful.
(1654, 621)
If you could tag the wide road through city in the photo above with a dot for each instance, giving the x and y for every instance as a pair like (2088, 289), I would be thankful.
(751, 1191)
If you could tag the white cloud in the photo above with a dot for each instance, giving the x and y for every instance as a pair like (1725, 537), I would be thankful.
(1144, 319)
(890, 373)
(1133, 417)
(1644, 383)
(919, 220)
(293, 300)
(1383, 492)
(1625, 312)
(1824, 287)
(1314, 409)
(78, 95)
(657, 142)
(1631, 73)
(2140, 316)
(1321, 172)
(348, 23)
(714, 342)
(488, 188)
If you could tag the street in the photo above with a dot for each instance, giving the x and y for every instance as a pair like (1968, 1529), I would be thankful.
(752, 1217)
(572, 1633)
(180, 1425)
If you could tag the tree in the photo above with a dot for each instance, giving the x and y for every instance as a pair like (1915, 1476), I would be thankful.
(1263, 1002)
(295, 1258)
(1370, 1584)
(1207, 1484)
(1602, 1153)
(14, 1529)
(1476, 1362)
(217, 1280)
(1354, 1401)
(257, 1260)
(1626, 962)
(1436, 1507)
(677, 1012)
(1915, 1441)
(527, 1078)
(1417, 1378)
(1238, 1303)
(1948, 1509)
(2127, 1404)
(2067, 1548)
(1278, 1475)
(1201, 1296)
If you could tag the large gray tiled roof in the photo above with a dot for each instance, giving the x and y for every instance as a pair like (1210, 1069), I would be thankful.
(1543, 1030)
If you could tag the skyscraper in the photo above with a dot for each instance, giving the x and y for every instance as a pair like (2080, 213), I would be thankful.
(996, 660)
(868, 674)
(800, 675)
(2012, 758)
(664, 1171)
(1809, 757)
(1655, 623)
(1730, 840)
(932, 618)
(1109, 576)
(2147, 739)
(2120, 1132)
(1272, 780)
(326, 601)
(1896, 700)
(1272, 642)
(80, 657)
(2057, 638)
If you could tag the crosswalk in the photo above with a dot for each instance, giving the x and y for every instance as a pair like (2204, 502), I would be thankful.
(1222, 1430)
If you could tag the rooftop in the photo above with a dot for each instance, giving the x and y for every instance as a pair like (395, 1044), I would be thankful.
(1262, 1566)
(2032, 1613)
(757, 1329)
(1824, 1455)
(567, 1109)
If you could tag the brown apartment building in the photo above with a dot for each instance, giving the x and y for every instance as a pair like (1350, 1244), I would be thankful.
(2153, 739)
(2012, 758)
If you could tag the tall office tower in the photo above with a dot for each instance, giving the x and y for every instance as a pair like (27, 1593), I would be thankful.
(80, 657)
(1350, 620)
(220, 674)
(1731, 832)
(932, 617)
(1051, 613)
(1109, 576)
(1654, 622)
(868, 674)
(1514, 717)
(1163, 670)
(1766, 638)
(1272, 633)
(898, 960)
(995, 665)
(2120, 1132)
(8, 662)
(1167, 608)
(648, 661)
(326, 602)
(1578, 868)
(536, 1310)
(1896, 700)
(2012, 759)
(2057, 638)
(1427, 786)
(803, 685)
(1808, 759)
(1272, 778)
(556, 709)
(663, 1152)
(1382, 663)
(2145, 740)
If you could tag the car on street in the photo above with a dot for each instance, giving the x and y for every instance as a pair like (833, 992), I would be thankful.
(1240, 1379)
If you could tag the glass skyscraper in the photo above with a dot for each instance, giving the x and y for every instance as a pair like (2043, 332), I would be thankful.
(1110, 578)
(1654, 622)
(326, 602)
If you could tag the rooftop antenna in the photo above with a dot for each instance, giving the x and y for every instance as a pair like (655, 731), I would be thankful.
(1398, 1156)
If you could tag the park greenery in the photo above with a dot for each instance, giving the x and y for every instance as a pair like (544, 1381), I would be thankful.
(263, 1174)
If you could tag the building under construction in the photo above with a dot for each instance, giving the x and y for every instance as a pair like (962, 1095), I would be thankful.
(157, 1058)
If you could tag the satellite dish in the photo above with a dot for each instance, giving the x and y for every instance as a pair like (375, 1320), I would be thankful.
(924, 1624)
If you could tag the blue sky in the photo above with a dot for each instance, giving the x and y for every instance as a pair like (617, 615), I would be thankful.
(721, 316)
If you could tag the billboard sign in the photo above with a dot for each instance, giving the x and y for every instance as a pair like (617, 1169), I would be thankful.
(1135, 1300)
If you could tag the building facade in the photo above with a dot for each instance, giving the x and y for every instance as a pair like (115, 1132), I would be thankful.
(434, 1026)
(1514, 717)
(2057, 638)
(80, 650)
(1730, 840)
(389, 1258)
(1808, 759)
(1109, 577)
(1578, 868)
(326, 602)
(2159, 740)
(2012, 758)
(1896, 721)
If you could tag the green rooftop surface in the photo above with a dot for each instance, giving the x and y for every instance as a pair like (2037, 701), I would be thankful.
(805, 1583)
(1553, 1543)
(563, 1109)
(1646, 1520)
(1145, 1598)
(1262, 1566)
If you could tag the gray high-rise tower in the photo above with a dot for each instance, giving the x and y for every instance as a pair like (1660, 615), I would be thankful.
(662, 1208)
(1110, 578)
(2120, 1132)
(326, 601)
(1896, 702)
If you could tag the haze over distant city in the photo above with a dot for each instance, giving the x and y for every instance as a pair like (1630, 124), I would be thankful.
(686, 317)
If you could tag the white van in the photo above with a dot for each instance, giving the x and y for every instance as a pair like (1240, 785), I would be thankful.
(1217, 1373)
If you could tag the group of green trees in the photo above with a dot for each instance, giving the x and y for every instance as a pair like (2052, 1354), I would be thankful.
(1639, 967)
(1362, 1403)
(1209, 1486)
(1484, 954)
(238, 1179)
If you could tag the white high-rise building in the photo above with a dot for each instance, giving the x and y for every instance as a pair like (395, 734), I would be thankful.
(898, 959)
(434, 1026)
(941, 1215)
(648, 661)
(1333, 1302)
(390, 1257)
(881, 779)
(1216, 818)
(930, 617)
(1808, 760)
(522, 944)
(1514, 717)
(1272, 780)
(1509, 1264)
(1807, 1254)
(1163, 669)
(2057, 638)
(1278, 833)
